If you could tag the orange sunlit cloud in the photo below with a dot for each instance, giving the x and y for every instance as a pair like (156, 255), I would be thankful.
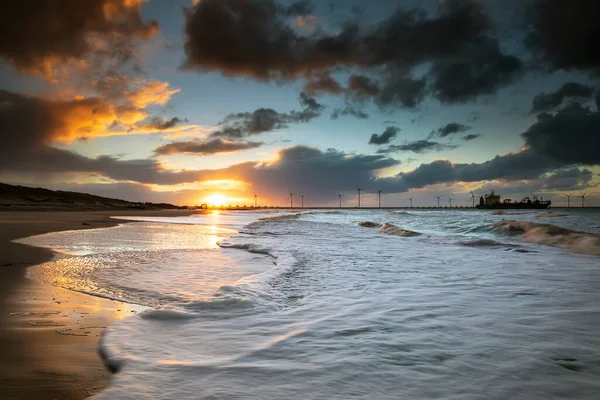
(153, 92)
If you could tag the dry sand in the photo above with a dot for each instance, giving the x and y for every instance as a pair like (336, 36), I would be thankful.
(48, 335)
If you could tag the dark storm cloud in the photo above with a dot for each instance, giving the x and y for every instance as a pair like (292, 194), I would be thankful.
(565, 33)
(298, 8)
(30, 125)
(450, 129)
(560, 180)
(162, 124)
(479, 70)
(385, 137)
(239, 125)
(567, 179)
(513, 166)
(401, 90)
(252, 38)
(570, 90)
(323, 83)
(35, 33)
(349, 110)
(47, 161)
(215, 146)
(471, 136)
(418, 146)
(362, 86)
(319, 175)
(570, 135)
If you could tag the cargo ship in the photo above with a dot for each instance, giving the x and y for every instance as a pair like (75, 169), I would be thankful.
(492, 202)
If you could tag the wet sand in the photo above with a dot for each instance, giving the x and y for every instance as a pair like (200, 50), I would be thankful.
(48, 335)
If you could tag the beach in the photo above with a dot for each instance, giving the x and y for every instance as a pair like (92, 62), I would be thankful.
(48, 335)
(316, 304)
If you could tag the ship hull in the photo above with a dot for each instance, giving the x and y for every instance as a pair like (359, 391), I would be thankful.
(513, 206)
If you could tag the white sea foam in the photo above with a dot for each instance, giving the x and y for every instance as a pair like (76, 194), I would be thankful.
(338, 311)
(552, 235)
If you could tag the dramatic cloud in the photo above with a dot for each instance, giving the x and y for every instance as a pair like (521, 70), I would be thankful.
(570, 135)
(471, 136)
(323, 83)
(418, 146)
(512, 166)
(31, 125)
(566, 179)
(450, 129)
(349, 110)
(161, 124)
(153, 92)
(36, 35)
(362, 86)
(570, 90)
(400, 90)
(254, 39)
(319, 175)
(214, 146)
(570, 179)
(385, 137)
(30, 121)
(565, 33)
(479, 70)
(237, 126)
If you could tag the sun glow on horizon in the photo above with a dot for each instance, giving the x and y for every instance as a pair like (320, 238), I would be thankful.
(217, 200)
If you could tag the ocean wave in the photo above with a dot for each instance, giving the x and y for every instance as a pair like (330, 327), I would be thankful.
(249, 247)
(487, 243)
(549, 214)
(369, 224)
(552, 235)
(233, 297)
(166, 315)
(401, 213)
(392, 229)
(283, 217)
(502, 212)
(321, 212)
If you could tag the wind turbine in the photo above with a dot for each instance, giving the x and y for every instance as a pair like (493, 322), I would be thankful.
(358, 191)
(569, 199)
(255, 200)
(410, 202)
(582, 199)
(472, 199)
(291, 199)
(438, 197)
(450, 201)
(302, 203)
(340, 195)
(379, 195)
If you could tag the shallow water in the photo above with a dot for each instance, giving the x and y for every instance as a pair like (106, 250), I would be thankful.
(317, 306)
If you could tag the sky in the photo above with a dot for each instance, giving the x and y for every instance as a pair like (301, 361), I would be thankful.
(213, 101)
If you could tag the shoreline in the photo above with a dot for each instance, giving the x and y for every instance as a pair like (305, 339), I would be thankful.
(48, 335)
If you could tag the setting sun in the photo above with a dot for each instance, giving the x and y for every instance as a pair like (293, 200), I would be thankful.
(217, 200)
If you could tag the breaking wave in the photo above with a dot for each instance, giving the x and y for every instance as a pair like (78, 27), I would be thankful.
(283, 217)
(549, 214)
(492, 244)
(502, 212)
(251, 248)
(400, 213)
(552, 235)
(392, 229)
(369, 224)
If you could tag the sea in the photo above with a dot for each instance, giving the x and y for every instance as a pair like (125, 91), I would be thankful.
(345, 304)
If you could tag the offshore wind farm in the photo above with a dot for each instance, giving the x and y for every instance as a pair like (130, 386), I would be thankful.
(300, 199)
